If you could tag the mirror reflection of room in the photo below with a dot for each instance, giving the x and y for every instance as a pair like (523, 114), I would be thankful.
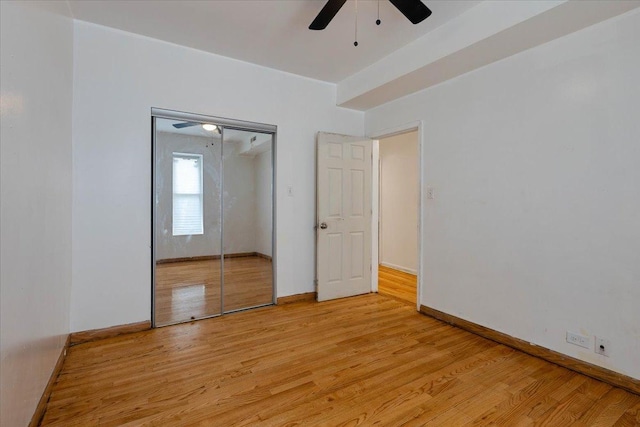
(213, 236)
(247, 220)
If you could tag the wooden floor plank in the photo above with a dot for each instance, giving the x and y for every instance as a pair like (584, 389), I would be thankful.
(366, 360)
(191, 289)
(397, 284)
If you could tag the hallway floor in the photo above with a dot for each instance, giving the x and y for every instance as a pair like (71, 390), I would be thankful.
(397, 284)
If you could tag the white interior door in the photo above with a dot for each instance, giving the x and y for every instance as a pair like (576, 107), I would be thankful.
(343, 260)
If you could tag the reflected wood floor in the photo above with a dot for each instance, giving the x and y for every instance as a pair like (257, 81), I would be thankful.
(366, 360)
(191, 289)
(397, 284)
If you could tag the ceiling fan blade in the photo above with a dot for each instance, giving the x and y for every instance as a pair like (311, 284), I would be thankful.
(414, 10)
(184, 125)
(326, 14)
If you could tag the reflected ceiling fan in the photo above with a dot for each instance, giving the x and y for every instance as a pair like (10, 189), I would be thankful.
(414, 10)
(205, 126)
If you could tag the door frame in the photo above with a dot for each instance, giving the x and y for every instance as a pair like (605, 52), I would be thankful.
(375, 188)
(161, 113)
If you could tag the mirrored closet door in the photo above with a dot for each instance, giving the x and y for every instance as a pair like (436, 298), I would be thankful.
(212, 217)
(247, 222)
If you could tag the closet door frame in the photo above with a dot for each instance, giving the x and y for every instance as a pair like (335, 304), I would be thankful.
(223, 123)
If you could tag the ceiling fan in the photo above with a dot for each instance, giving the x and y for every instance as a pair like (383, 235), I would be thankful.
(184, 125)
(205, 126)
(414, 10)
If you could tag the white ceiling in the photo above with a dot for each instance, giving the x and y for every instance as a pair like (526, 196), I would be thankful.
(391, 61)
(274, 33)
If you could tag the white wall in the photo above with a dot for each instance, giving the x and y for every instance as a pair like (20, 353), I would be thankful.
(35, 189)
(264, 224)
(239, 201)
(118, 78)
(534, 229)
(399, 202)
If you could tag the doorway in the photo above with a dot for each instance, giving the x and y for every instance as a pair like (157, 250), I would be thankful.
(398, 215)
(213, 209)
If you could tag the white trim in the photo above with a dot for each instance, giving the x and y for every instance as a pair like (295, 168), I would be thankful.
(385, 133)
(375, 212)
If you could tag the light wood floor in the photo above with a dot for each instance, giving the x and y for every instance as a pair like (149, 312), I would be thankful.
(366, 360)
(191, 289)
(397, 284)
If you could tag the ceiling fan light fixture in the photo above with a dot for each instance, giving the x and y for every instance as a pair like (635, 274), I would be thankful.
(209, 127)
(414, 10)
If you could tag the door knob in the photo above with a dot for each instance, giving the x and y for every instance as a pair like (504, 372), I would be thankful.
(323, 225)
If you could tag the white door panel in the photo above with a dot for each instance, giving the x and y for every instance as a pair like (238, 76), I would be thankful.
(344, 216)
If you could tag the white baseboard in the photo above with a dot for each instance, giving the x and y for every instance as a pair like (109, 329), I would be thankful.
(399, 267)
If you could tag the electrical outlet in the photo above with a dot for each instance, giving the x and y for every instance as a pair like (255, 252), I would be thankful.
(603, 346)
(577, 339)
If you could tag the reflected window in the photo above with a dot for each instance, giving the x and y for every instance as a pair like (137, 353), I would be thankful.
(187, 194)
